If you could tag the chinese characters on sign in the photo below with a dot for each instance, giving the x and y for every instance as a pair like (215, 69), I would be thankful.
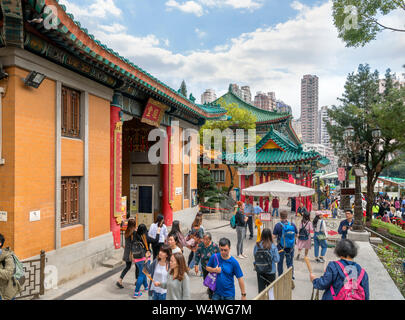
(154, 112)
(341, 174)
(118, 172)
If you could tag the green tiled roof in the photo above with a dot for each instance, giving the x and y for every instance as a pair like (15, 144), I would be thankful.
(212, 112)
(292, 153)
(261, 115)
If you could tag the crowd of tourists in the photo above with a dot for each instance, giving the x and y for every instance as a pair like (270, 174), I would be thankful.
(389, 210)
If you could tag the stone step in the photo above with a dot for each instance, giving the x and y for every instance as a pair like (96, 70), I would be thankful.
(376, 240)
(112, 263)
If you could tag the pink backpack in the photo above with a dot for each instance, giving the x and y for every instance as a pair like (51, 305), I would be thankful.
(351, 290)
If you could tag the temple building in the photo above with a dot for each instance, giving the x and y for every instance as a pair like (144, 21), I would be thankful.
(278, 155)
(76, 118)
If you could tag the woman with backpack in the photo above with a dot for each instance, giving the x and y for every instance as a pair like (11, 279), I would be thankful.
(158, 271)
(160, 228)
(304, 234)
(194, 238)
(343, 279)
(141, 254)
(266, 256)
(127, 257)
(320, 235)
(178, 281)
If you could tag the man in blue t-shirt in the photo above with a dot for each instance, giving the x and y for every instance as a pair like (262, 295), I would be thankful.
(346, 225)
(287, 252)
(226, 267)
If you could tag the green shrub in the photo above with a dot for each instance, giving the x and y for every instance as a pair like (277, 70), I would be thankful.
(391, 228)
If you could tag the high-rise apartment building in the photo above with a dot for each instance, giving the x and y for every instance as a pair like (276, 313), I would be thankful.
(246, 94)
(296, 124)
(208, 96)
(266, 101)
(236, 90)
(309, 108)
(323, 117)
(283, 107)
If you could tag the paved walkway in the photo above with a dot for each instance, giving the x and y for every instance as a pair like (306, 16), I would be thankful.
(381, 284)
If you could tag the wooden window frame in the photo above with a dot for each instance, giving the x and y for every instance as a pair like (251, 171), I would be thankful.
(213, 175)
(71, 109)
(70, 201)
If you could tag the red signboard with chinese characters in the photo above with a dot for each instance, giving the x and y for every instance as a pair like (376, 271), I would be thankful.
(154, 112)
(341, 174)
(118, 172)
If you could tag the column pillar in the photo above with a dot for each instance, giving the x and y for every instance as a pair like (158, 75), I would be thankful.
(261, 198)
(242, 186)
(115, 174)
(251, 184)
(167, 209)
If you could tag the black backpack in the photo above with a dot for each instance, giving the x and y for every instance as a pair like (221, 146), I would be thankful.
(303, 234)
(263, 260)
(138, 250)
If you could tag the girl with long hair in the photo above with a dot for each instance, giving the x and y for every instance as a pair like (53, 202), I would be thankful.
(320, 235)
(266, 274)
(158, 271)
(129, 238)
(142, 241)
(176, 229)
(194, 238)
(178, 281)
(158, 234)
(304, 234)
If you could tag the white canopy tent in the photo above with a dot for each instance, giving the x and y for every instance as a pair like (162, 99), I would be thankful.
(278, 188)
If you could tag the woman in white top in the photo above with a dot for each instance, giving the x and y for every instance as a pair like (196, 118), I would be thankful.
(160, 270)
(157, 228)
(320, 235)
(173, 241)
(178, 281)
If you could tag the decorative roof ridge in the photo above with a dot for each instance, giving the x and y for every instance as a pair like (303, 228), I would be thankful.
(281, 114)
(131, 70)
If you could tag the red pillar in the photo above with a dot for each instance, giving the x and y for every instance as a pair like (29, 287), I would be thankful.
(251, 185)
(242, 186)
(261, 198)
(167, 210)
(114, 226)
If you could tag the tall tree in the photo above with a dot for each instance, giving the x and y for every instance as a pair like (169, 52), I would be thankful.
(183, 89)
(238, 119)
(365, 108)
(357, 20)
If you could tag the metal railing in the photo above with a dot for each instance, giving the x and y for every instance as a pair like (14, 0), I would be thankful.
(34, 285)
(281, 288)
(401, 248)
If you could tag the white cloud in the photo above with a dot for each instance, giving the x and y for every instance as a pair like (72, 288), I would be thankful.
(267, 59)
(197, 6)
(97, 9)
(187, 7)
(114, 28)
(200, 33)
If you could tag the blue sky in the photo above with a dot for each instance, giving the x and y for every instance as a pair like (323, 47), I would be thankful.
(267, 44)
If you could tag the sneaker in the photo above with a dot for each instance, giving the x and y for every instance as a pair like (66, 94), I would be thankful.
(298, 256)
(137, 295)
(245, 256)
(321, 260)
(119, 285)
(317, 260)
(146, 289)
(240, 257)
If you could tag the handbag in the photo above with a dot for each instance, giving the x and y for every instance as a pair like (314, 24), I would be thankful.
(210, 280)
(321, 236)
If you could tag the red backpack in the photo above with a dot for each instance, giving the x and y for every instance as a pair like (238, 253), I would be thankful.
(351, 290)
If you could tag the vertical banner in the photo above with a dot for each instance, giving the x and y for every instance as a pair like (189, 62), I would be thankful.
(118, 172)
(154, 112)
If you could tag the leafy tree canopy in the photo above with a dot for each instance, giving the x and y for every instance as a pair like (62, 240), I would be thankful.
(358, 21)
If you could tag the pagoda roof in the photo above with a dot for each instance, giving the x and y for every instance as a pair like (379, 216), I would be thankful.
(262, 116)
(88, 56)
(276, 149)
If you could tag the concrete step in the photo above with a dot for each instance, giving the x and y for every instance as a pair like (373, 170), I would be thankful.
(112, 263)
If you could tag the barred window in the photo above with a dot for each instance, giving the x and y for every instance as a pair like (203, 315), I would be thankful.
(70, 213)
(218, 175)
(70, 113)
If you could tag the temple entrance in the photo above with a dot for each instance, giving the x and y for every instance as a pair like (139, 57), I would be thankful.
(141, 181)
